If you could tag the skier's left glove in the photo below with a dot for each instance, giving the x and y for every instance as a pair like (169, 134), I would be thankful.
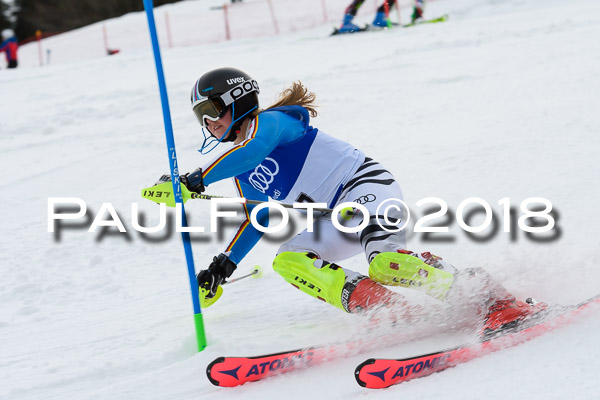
(220, 269)
(192, 180)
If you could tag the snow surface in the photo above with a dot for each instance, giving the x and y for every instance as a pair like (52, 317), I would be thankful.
(500, 101)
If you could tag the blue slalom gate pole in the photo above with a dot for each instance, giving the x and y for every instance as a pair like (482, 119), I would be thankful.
(185, 236)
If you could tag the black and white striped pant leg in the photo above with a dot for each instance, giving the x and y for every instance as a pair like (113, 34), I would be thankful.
(370, 186)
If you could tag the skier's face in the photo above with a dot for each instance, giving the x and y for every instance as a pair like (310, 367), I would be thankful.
(219, 127)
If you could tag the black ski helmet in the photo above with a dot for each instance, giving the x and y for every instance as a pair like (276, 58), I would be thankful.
(220, 89)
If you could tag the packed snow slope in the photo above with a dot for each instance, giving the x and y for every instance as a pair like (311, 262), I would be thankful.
(501, 101)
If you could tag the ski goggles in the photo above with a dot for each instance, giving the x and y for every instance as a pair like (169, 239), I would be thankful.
(214, 108)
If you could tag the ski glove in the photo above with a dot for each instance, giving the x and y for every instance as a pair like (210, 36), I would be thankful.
(192, 180)
(219, 269)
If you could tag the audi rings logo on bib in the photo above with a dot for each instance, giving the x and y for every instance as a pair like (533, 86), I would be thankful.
(368, 198)
(264, 174)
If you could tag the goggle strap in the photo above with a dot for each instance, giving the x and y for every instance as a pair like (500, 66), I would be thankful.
(214, 139)
(227, 132)
(208, 141)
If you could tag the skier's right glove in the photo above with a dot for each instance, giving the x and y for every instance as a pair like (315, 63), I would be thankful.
(220, 269)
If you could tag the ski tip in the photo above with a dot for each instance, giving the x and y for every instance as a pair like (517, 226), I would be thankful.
(366, 362)
(209, 370)
(591, 300)
(360, 382)
(359, 368)
(443, 18)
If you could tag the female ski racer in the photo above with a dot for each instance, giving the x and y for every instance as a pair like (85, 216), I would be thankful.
(276, 154)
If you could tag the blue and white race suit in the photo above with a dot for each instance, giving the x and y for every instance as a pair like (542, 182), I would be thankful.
(287, 160)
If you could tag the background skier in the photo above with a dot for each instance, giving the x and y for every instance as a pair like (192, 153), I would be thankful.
(9, 46)
(380, 18)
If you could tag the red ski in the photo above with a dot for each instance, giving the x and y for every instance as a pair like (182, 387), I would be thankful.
(382, 373)
(234, 371)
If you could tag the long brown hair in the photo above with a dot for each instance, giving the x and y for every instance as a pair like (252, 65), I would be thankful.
(297, 95)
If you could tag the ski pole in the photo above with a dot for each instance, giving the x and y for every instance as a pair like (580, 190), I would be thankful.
(257, 273)
(252, 202)
(163, 193)
(207, 302)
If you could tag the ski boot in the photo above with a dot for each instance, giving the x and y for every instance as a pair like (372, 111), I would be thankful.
(329, 282)
(347, 25)
(424, 272)
(380, 20)
(505, 316)
(416, 15)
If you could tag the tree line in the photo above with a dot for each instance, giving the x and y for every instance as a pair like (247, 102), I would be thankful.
(25, 17)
